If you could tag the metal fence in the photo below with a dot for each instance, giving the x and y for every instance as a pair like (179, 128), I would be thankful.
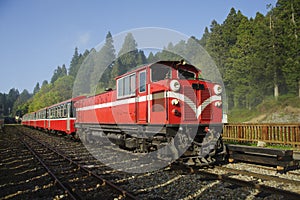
(281, 134)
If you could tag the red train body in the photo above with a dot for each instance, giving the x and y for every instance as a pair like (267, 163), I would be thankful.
(149, 106)
(59, 117)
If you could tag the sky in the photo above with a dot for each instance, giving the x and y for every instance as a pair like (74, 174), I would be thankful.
(37, 36)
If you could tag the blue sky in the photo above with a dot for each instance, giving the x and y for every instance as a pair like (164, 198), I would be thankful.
(37, 36)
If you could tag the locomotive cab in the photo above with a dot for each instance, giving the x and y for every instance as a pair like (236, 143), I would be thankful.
(180, 95)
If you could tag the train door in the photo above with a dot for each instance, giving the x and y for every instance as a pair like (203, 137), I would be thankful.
(157, 91)
(141, 99)
(69, 110)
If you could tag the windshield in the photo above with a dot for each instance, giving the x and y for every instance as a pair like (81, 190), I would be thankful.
(160, 72)
(184, 74)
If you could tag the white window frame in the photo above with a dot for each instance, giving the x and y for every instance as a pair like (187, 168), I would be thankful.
(145, 82)
(131, 91)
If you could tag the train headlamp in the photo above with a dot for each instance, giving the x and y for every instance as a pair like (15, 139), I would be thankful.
(175, 85)
(175, 102)
(218, 104)
(218, 89)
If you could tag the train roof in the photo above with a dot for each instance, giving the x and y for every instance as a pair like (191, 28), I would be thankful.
(173, 64)
(66, 101)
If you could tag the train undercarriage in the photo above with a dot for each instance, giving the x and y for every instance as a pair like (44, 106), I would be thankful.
(187, 144)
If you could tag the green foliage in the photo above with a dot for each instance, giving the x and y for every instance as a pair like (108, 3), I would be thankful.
(254, 56)
(267, 107)
(59, 72)
(128, 58)
(20, 106)
(52, 93)
(76, 62)
(36, 88)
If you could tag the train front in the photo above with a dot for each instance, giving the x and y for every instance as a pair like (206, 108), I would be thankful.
(194, 112)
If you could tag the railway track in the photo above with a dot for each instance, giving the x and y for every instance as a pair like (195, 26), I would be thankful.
(171, 182)
(239, 178)
(74, 179)
(21, 175)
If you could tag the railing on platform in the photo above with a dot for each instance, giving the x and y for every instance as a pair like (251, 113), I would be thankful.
(281, 134)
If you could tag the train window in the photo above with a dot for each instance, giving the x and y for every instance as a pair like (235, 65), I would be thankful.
(120, 87)
(184, 74)
(56, 112)
(158, 102)
(160, 72)
(61, 111)
(142, 79)
(126, 86)
(72, 110)
(65, 110)
(132, 84)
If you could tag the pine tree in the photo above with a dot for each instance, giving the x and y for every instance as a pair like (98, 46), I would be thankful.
(141, 58)
(108, 56)
(45, 82)
(241, 62)
(64, 71)
(204, 38)
(20, 106)
(10, 100)
(286, 28)
(151, 58)
(74, 65)
(127, 57)
(36, 88)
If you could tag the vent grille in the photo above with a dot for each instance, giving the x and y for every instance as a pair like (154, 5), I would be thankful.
(189, 99)
(206, 113)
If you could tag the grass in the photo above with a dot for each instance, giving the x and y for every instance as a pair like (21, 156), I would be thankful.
(268, 106)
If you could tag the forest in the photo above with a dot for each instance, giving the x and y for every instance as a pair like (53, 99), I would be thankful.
(258, 58)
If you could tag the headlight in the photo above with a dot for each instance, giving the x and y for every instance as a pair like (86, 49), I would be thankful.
(175, 85)
(218, 104)
(175, 102)
(217, 89)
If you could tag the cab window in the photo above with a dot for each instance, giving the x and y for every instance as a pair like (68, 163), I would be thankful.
(142, 81)
(160, 72)
(126, 86)
(185, 74)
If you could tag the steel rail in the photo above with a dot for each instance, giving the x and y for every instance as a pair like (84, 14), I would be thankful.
(253, 184)
(257, 175)
(89, 172)
(69, 192)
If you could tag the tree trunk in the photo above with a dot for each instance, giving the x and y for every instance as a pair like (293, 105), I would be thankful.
(299, 88)
(276, 91)
(235, 101)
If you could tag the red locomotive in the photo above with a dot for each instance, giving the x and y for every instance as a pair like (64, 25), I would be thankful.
(59, 117)
(150, 105)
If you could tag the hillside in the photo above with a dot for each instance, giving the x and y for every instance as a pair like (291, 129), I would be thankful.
(285, 110)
